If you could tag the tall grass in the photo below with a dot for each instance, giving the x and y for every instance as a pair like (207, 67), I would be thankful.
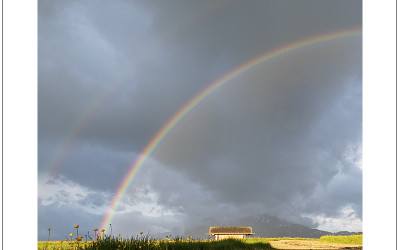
(175, 244)
(147, 243)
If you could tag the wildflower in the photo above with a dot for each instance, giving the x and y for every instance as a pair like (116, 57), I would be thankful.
(119, 245)
(70, 234)
(141, 232)
(140, 246)
(77, 226)
(102, 230)
(95, 229)
(49, 234)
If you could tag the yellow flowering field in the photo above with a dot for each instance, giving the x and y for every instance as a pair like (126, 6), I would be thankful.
(63, 245)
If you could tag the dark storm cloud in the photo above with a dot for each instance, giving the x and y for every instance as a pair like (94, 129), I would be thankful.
(94, 166)
(282, 132)
(112, 73)
(167, 69)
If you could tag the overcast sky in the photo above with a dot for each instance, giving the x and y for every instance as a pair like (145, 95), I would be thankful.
(284, 138)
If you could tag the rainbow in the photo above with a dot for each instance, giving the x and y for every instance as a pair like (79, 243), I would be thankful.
(155, 141)
(87, 114)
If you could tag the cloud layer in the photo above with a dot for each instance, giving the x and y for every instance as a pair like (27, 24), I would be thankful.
(283, 138)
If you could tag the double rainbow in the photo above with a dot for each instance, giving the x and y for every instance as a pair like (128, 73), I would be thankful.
(155, 141)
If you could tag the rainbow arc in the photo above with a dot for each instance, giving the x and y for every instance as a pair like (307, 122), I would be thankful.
(167, 127)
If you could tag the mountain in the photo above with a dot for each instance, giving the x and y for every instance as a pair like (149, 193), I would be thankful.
(345, 233)
(263, 226)
(271, 227)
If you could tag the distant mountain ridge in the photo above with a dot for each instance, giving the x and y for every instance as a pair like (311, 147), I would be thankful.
(265, 226)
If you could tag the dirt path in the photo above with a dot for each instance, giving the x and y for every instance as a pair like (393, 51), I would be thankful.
(310, 244)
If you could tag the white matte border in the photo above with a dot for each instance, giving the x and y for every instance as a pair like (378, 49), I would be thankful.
(379, 125)
(20, 124)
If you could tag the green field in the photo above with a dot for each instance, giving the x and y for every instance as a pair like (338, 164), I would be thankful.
(177, 243)
(351, 239)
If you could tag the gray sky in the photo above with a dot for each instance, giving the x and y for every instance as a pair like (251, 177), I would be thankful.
(284, 138)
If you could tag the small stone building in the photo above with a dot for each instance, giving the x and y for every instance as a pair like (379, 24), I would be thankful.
(230, 232)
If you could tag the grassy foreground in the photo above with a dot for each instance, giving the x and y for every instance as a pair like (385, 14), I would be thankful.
(179, 243)
(147, 243)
